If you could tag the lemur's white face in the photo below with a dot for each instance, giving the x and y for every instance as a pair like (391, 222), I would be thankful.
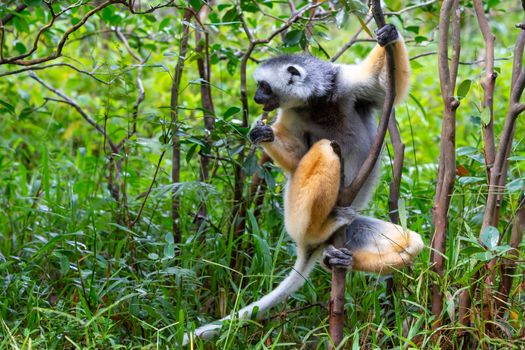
(281, 86)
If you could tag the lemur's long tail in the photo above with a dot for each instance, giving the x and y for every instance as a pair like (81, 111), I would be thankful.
(303, 266)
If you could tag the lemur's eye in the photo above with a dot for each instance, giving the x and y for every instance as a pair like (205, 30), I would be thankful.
(265, 87)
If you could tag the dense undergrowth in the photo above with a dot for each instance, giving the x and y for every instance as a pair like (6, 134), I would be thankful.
(87, 266)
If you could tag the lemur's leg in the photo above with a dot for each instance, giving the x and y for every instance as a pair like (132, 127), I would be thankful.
(311, 195)
(279, 144)
(376, 246)
(375, 64)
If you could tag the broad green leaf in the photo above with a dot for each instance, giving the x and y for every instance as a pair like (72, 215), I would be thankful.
(463, 88)
(489, 237)
(293, 37)
(485, 116)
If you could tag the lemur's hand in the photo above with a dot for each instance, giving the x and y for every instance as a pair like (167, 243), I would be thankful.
(387, 35)
(261, 133)
(333, 257)
(336, 148)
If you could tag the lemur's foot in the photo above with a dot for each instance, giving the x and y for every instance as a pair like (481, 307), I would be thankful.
(261, 133)
(334, 257)
(387, 35)
(347, 214)
(336, 148)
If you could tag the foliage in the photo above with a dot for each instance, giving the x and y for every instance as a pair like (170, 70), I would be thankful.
(88, 258)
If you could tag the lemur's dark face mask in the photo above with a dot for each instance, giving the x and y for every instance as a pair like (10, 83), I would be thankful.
(266, 97)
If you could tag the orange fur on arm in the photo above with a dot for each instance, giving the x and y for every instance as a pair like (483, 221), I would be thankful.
(285, 149)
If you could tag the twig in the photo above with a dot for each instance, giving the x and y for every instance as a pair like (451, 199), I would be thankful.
(58, 51)
(130, 6)
(174, 114)
(149, 190)
(397, 168)
(142, 94)
(35, 68)
(350, 42)
(71, 102)
(410, 8)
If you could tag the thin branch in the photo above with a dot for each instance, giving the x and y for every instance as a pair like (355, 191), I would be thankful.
(397, 169)
(149, 189)
(488, 85)
(58, 51)
(74, 104)
(142, 94)
(350, 42)
(174, 113)
(52, 65)
(447, 156)
(126, 45)
(410, 8)
(131, 7)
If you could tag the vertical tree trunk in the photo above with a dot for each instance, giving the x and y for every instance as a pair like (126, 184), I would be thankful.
(447, 157)
(203, 66)
(174, 114)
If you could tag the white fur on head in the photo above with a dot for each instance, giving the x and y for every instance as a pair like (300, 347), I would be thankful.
(290, 88)
(296, 79)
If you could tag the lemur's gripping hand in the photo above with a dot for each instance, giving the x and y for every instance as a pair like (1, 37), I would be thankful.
(336, 148)
(387, 35)
(261, 133)
(333, 257)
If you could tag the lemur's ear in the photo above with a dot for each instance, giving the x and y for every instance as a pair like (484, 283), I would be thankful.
(297, 73)
(293, 71)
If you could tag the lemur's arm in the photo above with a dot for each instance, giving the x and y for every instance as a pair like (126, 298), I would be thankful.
(367, 79)
(280, 144)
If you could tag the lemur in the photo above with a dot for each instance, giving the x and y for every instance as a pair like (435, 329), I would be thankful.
(326, 120)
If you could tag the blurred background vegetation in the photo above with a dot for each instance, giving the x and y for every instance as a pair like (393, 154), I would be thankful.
(90, 256)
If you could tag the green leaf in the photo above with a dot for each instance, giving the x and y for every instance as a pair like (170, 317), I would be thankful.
(364, 26)
(169, 251)
(231, 16)
(231, 111)
(8, 107)
(489, 237)
(485, 116)
(21, 48)
(293, 37)
(168, 237)
(153, 256)
(463, 88)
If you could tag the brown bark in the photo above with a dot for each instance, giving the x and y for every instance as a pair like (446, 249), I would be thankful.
(203, 67)
(447, 157)
(488, 83)
(397, 169)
